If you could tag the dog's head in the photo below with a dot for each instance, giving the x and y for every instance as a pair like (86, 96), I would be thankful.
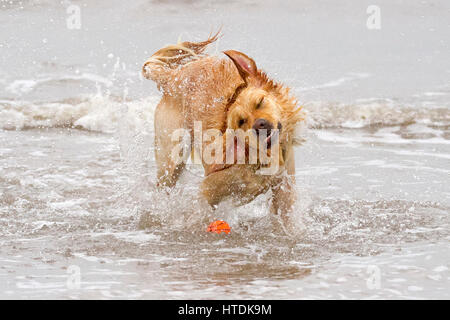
(261, 104)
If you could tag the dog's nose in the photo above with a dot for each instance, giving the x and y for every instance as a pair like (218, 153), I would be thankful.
(262, 124)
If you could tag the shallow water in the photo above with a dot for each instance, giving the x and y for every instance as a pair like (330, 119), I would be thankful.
(77, 195)
(362, 208)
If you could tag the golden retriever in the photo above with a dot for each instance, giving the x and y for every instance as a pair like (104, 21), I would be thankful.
(201, 94)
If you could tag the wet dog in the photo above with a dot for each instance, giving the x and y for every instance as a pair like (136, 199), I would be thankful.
(202, 94)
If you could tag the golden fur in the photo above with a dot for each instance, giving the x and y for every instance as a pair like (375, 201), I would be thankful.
(222, 93)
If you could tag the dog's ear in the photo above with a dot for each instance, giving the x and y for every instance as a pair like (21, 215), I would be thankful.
(245, 65)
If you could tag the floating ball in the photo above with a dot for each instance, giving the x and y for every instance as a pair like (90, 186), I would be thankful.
(218, 227)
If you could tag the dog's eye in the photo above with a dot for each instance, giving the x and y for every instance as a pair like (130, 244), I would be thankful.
(259, 104)
(241, 122)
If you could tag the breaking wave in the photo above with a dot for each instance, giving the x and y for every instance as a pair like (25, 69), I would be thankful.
(334, 115)
(103, 113)
(94, 113)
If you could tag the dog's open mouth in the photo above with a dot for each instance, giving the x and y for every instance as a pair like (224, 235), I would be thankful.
(270, 139)
(265, 143)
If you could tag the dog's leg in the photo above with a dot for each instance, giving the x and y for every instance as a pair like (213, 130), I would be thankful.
(283, 193)
(239, 182)
(283, 196)
(168, 118)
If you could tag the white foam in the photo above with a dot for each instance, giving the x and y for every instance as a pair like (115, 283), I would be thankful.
(382, 138)
(440, 269)
(96, 113)
(106, 113)
(21, 86)
(371, 113)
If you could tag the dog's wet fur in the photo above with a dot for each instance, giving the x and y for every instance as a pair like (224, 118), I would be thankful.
(223, 93)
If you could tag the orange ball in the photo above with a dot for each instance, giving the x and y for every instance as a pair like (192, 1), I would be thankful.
(218, 227)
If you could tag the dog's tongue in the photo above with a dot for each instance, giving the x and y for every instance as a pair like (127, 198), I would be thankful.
(268, 140)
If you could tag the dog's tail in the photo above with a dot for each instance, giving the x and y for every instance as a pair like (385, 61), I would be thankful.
(160, 67)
